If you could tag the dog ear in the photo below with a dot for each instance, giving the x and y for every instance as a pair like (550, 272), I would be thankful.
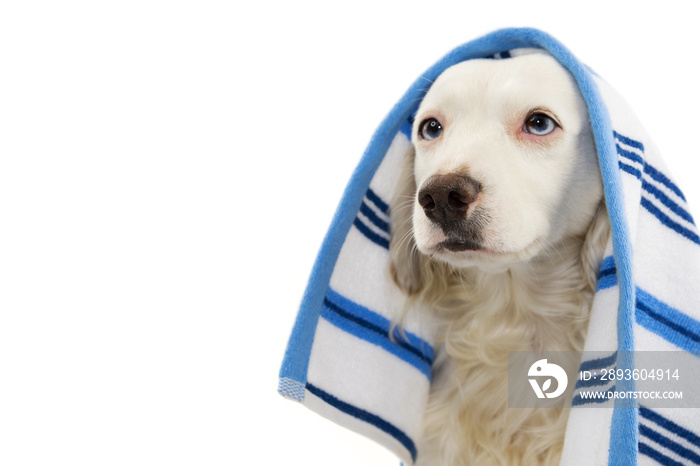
(403, 253)
(594, 244)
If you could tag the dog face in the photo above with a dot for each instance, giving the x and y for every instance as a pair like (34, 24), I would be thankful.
(505, 163)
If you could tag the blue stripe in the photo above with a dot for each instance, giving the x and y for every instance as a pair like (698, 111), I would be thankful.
(374, 218)
(678, 328)
(607, 277)
(629, 169)
(417, 344)
(667, 322)
(668, 443)
(372, 236)
(656, 175)
(607, 263)
(370, 334)
(629, 141)
(653, 173)
(578, 400)
(600, 363)
(630, 155)
(376, 329)
(675, 208)
(666, 220)
(376, 200)
(367, 417)
(594, 365)
(669, 425)
(661, 178)
(659, 457)
(606, 282)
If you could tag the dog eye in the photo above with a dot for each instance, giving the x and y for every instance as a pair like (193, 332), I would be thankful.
(430, 129)
(539, 124)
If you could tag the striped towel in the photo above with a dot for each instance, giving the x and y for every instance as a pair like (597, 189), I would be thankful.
(342, 362)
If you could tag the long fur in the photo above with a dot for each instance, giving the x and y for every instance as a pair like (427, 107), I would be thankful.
(539, 304)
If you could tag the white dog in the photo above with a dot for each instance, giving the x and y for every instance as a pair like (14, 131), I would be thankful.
(499, 228)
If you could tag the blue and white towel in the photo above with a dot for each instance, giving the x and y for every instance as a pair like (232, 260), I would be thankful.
(342, 363)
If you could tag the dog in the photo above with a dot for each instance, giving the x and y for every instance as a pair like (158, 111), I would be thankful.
(499, 227)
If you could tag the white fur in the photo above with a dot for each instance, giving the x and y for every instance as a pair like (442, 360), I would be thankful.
(531, 283)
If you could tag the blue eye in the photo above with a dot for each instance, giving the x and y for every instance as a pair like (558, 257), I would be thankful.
(430, 129)
(539, 124)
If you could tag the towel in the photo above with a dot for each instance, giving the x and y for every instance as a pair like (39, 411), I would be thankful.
(342, 362)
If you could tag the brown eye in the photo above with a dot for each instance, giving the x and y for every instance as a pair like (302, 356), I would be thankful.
(430, 129)
(539, 124)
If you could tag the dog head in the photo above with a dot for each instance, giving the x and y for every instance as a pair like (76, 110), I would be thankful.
(504, 166)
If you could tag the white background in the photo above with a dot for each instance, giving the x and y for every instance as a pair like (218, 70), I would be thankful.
(167, 173)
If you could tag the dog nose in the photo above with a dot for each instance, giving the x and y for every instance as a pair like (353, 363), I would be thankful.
(446, 198)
